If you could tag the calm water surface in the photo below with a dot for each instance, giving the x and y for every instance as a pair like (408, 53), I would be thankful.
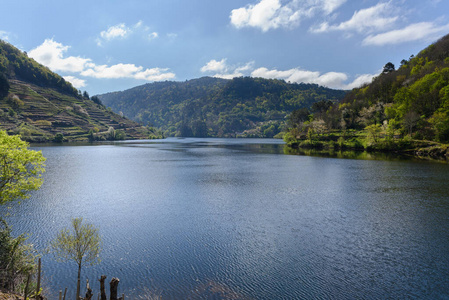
(238, 219)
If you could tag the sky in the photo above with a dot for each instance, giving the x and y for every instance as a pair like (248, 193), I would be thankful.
(103, 46)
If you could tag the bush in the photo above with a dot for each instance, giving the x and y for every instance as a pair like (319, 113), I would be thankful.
(17, 259)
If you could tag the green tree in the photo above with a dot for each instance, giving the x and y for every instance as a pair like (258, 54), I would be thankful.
(82, 244)
(21, 168)
(17, 259)
(388, 68)
(4, 86)
(21, 171)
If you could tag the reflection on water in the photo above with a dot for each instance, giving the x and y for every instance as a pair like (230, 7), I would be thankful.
(238, 219)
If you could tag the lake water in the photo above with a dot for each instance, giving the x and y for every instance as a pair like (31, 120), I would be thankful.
(239, 219)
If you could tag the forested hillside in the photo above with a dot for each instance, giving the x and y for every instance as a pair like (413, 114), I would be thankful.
(41, 106)
(401, 108)
(251, 107)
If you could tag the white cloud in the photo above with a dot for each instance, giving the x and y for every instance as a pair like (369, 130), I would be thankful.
(128, 71)
(51, 53)
(117, 31)
(153, 35)
(375, 18)
(155, 74)
(76, 82)
(414, 32)
(360, 80)
(122, 31)
(336, 80)
(215, 66)
(223, 70)
(4, 35)
(271, 14)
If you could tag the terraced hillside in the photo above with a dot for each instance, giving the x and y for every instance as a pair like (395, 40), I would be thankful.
(41, 106)
(40, 114)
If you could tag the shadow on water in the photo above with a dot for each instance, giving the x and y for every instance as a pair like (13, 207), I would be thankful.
(353, 154)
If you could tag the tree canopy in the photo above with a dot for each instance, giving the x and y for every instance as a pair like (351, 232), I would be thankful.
(81, 243)
(21, 168)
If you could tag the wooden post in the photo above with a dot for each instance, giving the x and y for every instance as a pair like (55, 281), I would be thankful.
(38, 287)
(102, 288)
(60, 294)
(25, 293)
(89, 293)
(113, 288)
(65, 292)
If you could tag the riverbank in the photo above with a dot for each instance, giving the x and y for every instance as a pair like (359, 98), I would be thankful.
(4, 295)
(421, 149)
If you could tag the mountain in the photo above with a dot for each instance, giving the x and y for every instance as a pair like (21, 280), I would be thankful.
(41, 106)
(245, 106)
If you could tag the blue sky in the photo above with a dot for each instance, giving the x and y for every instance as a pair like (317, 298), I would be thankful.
(104, 46)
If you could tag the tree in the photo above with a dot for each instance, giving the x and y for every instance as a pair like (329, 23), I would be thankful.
(4, 86)
(21, 168)
(82, 245)
(410, 119)
(388, 68)
(298, 116)
(21, 171)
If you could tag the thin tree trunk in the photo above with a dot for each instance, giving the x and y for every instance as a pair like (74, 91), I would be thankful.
(78, 282)
(38, 287)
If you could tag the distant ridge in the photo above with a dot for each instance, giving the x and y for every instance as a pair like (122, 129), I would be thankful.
(207, 106)
(41, 106)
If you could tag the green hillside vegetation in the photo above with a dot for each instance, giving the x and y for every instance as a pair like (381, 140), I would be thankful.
(245, 107)
(403, 109)
(41, 106)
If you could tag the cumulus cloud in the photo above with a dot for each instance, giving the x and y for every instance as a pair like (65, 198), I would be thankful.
(335, 80)
(121, 31)
(215, 66)
(51, 54)
(272, 14)
(360, 80)
(117, 31)
(374, 18)
(128, 71)
(223, 70)
(76, 82)
(414, 32)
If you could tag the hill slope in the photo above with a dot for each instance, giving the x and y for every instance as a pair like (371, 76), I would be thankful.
(216, 107)
(413, 99)
(41, 106)
(405, 110)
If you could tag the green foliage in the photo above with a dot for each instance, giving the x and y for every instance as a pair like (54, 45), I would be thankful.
(17, 259)
(217, 107)
(59, 138)
(16, 64)
(21, 168)
(4, 85)
(440, 122)
(81, 244)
